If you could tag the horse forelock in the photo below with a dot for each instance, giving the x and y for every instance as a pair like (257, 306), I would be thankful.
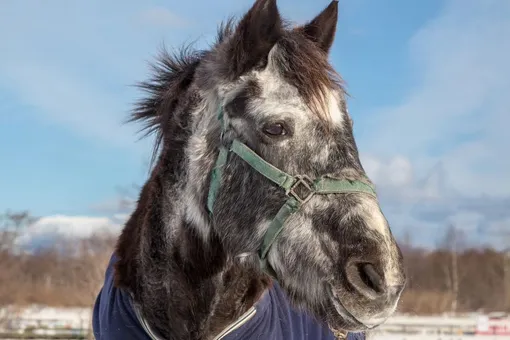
(294, 57)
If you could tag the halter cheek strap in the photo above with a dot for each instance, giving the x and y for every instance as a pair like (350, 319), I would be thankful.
(299, 188)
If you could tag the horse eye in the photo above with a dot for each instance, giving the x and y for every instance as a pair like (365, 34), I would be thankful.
(275, 129)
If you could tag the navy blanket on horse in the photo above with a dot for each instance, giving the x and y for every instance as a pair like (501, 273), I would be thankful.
(115, 318)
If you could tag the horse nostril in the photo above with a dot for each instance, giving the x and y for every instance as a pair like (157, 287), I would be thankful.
(371, 278)
(365, 279)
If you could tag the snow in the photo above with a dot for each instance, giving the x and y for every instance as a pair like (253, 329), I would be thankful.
(437, 337)
(398, 327)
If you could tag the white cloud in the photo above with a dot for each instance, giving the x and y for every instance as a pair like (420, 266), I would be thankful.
(443, 150)
(69, 227)
(459, 106)
(397, 171)
(425, 206)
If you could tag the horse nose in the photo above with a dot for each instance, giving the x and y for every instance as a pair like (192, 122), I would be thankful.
(368, 282)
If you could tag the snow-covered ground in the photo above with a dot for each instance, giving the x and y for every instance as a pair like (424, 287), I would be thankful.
(77, 318)
(438, 337)
(399, 327)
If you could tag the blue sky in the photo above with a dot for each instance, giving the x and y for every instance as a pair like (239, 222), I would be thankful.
(429, 82)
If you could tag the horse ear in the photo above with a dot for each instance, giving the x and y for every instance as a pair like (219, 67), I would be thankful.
(255, 35)
(322, 29)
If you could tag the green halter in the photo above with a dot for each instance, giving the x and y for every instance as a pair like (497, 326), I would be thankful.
(322, 185)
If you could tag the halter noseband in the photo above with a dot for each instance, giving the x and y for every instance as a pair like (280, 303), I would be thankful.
(307, 188)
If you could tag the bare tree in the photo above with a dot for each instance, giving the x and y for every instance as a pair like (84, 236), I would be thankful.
(12, 224)
(502, 234)
(452, 243)
(506, 278)
(505, 237)
(94, 254)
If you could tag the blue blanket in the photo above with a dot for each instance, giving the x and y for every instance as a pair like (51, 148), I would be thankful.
(273, 318)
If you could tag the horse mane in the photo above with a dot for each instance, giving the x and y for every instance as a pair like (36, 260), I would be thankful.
(171, 77)
(172, 74)
(165, 113)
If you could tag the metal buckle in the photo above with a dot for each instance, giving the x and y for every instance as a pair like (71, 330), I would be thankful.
(307, 183)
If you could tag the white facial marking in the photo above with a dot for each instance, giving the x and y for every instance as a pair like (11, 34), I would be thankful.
(335, 112)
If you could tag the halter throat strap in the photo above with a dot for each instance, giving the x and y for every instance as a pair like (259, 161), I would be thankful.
(298, 188)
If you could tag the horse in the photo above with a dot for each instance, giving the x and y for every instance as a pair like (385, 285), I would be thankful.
(255, 183)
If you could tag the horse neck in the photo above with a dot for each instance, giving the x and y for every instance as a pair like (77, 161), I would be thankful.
(187, 287)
